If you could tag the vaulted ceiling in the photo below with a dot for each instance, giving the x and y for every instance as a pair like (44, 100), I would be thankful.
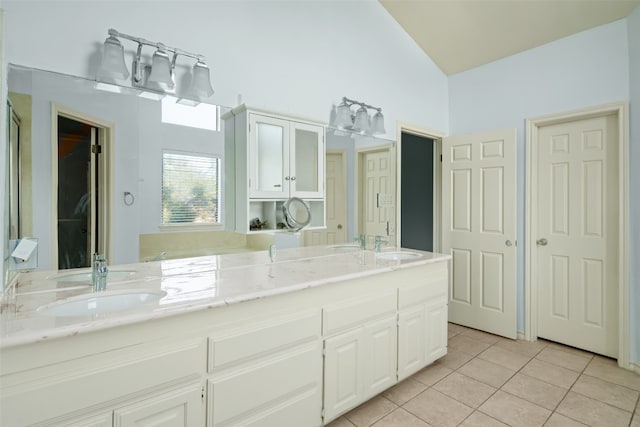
(462, 34)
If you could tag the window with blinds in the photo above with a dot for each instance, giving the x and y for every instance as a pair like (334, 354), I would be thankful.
(190, 189)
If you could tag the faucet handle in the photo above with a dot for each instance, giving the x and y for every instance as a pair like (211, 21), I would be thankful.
(379, 242)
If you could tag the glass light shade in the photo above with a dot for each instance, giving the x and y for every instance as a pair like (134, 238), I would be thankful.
(161, 69)
(377, 124)
(200, 81)
(343, 116)
(361, 122)
(112, 65)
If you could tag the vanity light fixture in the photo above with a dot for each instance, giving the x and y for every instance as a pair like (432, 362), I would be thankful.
(159, 76)
(360, 121)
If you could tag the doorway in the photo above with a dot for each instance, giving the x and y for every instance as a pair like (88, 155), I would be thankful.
(376, 193)
(576, 228)
(335, 204)
(81, 184)
(417, 195)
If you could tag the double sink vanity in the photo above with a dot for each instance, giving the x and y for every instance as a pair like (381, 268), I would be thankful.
(223, 340)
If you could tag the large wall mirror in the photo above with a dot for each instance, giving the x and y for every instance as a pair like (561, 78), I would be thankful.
(89, 166)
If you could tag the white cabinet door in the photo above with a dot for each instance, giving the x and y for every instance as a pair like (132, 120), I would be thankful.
(306, 157)
(359, 364)
(380, 356)
(436, 323)
(343, 372)
(411, 341)
(178, 408)
(268, 157)
(104, 419)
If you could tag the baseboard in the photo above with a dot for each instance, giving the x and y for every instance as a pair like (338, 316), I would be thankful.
(635, 367)
(520, 336)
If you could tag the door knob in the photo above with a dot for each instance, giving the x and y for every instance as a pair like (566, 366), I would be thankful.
(541, 242)
(339, 226)
(508, 243)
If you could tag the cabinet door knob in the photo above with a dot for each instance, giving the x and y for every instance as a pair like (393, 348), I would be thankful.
(286, 178)
(293, 178)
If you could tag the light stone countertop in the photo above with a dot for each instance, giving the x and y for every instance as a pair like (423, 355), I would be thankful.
(190, 284)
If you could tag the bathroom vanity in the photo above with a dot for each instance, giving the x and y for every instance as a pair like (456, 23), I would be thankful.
(226, 340)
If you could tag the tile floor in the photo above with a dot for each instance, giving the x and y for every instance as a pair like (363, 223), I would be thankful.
(486, 380)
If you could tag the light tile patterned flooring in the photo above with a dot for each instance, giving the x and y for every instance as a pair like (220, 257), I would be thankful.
(486, 380)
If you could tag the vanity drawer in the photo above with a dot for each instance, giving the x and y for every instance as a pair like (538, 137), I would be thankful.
(349, 314)
(98, 381)
(433, 284)
(282, 390)
(261, 340)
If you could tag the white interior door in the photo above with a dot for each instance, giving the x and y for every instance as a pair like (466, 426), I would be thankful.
(336, 204)
(377, 192)
(479, 229)
(577, 229)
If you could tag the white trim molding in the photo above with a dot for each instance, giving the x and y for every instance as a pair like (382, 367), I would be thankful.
(621, 110)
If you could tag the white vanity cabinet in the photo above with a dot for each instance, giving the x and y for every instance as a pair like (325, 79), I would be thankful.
(104, 419)
(180, 407)
(422, 322)
(360, 351)
(297, 358)
(270, 158)
(267, 373)
(119, 377)
(174, 408)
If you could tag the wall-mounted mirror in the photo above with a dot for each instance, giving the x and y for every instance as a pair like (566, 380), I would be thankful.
(93, 165)
(99, 167)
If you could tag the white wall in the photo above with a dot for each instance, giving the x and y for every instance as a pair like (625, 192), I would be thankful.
(633, 26)
(585, 69)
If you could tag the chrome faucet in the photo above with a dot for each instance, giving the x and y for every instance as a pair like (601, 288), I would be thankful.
(379, 242)
(362, 239)
(99, 272)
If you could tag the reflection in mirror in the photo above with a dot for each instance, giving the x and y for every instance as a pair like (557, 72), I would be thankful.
(360, 189)
(83, 154)
(123, 137)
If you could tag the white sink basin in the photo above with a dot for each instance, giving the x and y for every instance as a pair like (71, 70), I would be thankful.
(397, 256)
(345, 247)
(86, 276)
(100, 302)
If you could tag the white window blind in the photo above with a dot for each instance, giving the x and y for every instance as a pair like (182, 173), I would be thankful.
(190, 189)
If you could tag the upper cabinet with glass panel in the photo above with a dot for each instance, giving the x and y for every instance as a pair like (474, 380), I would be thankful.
(276, 157)
(284, 158)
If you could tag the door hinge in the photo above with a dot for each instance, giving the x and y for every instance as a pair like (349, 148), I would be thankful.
(440, 158)
(202, 394)
(96, 149)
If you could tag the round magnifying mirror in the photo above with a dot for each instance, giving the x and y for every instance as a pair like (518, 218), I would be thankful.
(296, 213)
